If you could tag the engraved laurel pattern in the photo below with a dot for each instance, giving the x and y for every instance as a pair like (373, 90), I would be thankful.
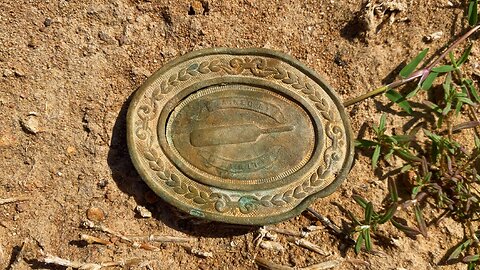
(222, 203)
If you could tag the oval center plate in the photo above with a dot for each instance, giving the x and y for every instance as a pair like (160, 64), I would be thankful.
(245, 136)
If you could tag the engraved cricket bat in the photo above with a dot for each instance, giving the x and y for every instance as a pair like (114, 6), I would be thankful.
(231, 134)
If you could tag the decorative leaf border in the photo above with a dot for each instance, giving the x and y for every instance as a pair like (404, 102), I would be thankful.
(222, 203)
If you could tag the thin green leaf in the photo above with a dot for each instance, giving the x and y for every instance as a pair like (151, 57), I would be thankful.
(471, 265)
(452, 59)
(447, 87)
(471, 258)
(414, 92)
(434, 137)
(443, 69)
(473, 90)
(389, 214)
(407, 155)
(405, 168)
(368, 240)
(368, 213)
(420, 220)
(477, 141)
(433, 106)
(364, 143)
(397, 98)
(447, 109)
(389, 154)
(464, 56)
(407, 230)
(458, 250)
(427, 177)
(359, 243)
(392, 189)
(416, 190)
(410, 67)
(382, 124)
(390, 139)
(361, 201)
(427, 83)
(458, 107)
(354, 219)
(472, 12)
(466, 100)
(376, 156)
(403, 138)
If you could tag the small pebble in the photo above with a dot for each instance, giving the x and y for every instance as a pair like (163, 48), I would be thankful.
(433, 36)
(47, 22)
(33, 42)
(19, 73)
(7, 73)
(104, 36)
(21, 207)
(143, 212)
(102, 183)
(139, 71)
(95, 214)
(71, 150)
(30, 124)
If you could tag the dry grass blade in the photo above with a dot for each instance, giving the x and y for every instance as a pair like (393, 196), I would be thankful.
(466, 125)
(324, 265)
(308, 245)
(18, 257)
(271, 265)
(94, 240)
(272, 246)
(325, 221)
(100, 227)
(201, 253)
(163, 239)
(13, 200)
(288, 232)
(319, 266)
(50, 259)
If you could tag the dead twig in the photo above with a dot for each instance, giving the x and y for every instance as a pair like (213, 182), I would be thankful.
(100, 227)
(13, 200)
(94, 240)
(324, 265)
(50, 259)
(329, 224)
(308, 245)
(263, 233)
(18, 256)
(301, 234)
(271, 265)
(197, 252)
(164, 239)
(319, 266)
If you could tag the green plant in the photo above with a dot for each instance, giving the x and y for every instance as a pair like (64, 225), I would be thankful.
(442, 172)
(372, 219)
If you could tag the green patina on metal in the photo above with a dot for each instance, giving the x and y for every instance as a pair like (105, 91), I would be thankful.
(246, 136)
(197, 213)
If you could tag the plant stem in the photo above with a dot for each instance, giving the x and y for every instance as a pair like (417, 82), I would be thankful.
(422, 73)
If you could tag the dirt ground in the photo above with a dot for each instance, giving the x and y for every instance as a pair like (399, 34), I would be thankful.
(68, 68)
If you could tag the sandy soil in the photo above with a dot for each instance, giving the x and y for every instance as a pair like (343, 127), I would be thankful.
(68, 68)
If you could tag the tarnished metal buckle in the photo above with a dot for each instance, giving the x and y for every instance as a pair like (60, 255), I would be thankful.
(245, 136)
